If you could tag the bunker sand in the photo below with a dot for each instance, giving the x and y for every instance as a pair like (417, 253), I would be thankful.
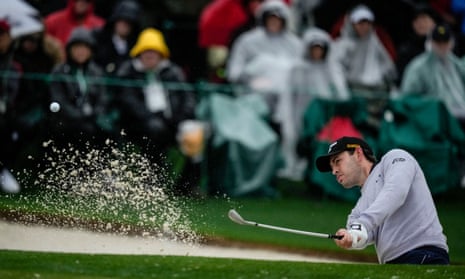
(51, 239)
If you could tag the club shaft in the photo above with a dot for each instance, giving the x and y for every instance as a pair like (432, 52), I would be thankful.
(322, 235)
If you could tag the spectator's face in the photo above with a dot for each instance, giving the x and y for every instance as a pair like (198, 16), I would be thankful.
(30, 43)
(122, 28)
(274, 24)
(5, 41)
(442, 48)
(81, 7)
(316, 53)
(423, 24)
(363, 28)
(150, 59)
(80, 53)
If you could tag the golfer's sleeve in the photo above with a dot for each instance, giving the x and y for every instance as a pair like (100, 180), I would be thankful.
(354, 217)
(399, 171)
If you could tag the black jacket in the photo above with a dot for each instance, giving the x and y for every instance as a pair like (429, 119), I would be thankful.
(135, 116)
(106, 55)
(78, 109)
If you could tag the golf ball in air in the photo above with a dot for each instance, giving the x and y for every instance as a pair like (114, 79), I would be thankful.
(54, 107)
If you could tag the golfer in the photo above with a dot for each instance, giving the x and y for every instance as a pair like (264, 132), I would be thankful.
(395, 211)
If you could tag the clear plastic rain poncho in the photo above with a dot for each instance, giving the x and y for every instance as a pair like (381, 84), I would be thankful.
(442, 78)
(309, 79)
(366, 62)
(262, 60)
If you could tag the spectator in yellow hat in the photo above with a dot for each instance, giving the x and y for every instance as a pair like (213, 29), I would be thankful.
(151, 113)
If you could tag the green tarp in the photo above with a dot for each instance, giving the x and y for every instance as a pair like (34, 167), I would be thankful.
(242, 155)
(421, 126)
(424, 127)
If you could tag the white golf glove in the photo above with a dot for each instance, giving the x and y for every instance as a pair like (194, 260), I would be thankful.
(359, 236)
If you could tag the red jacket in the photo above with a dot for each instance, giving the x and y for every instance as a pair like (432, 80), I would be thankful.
(60, 23)
(219, 19)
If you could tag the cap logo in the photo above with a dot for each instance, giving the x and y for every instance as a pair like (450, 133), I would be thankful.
(331, 146)
(441, 30)
(352, 145)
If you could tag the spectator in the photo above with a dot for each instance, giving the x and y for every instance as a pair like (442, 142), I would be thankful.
(261, 60)
(367, 64)
(423, 21)
(9, 84)
(339, 27)
(37, 53)
(151, 114)
(270, 40)
(316, 76)
(117, 36)
(438, 73)
(368, 67)
(76, 88)
(61, 23)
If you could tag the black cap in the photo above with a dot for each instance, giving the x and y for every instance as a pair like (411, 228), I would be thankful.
(441, 33)
(340, 145)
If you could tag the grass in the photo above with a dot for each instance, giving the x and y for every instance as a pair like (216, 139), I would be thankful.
(56, 265)
(209, 218)
(317, 216)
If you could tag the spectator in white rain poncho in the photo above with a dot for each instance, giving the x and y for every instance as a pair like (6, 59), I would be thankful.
(262, 58)
(367, 64)
(369, 69)
(259, 57)
(438, 73)
(316, 76)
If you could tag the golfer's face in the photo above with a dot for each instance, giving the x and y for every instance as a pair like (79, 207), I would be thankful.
(346, 169)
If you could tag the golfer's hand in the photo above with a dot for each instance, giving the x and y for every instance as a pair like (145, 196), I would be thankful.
(346, 241)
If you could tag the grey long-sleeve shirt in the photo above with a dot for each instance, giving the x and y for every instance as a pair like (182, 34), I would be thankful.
(397, 208)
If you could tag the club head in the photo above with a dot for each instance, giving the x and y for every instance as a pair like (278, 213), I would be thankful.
(235, 217)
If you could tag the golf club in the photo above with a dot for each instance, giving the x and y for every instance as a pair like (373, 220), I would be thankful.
(235, 217)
